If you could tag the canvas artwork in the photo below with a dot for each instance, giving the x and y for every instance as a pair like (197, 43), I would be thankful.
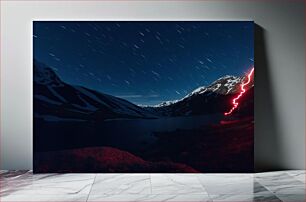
(143, 96)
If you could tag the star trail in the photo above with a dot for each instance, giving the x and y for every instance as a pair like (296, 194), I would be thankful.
(144, 62)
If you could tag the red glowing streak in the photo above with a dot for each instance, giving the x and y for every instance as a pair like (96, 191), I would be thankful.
(235, 104)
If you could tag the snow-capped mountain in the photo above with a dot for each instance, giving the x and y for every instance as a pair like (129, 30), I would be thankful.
(224, 85)
(214, 98)
(166, 103)
(55, 100)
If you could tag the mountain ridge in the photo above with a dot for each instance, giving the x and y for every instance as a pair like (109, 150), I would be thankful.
(229, 82)
(55, 100)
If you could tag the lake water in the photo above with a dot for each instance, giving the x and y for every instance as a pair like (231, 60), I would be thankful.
(125, 134)
(134, 133)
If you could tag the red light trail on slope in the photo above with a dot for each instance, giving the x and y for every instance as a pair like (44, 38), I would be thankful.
(235, 103)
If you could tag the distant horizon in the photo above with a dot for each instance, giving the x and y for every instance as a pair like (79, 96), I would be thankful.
(125, 98)
(146, 63)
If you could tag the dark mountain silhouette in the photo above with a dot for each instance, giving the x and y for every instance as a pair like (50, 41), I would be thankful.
(55, 100)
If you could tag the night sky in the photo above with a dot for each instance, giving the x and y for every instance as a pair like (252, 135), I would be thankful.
(144, 62)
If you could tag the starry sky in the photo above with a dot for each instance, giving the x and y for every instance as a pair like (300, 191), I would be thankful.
(144, 62)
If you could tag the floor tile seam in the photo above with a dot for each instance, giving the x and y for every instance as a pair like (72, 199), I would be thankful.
(91, 188)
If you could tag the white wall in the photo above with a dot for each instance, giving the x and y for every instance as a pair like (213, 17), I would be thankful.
(280, 73)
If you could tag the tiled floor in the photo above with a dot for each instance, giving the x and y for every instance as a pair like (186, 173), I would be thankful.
(271, 186)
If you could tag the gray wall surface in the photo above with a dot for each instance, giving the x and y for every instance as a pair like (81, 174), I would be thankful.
(279, 63)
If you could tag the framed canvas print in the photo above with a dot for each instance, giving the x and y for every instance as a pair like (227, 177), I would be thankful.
(143, 96)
